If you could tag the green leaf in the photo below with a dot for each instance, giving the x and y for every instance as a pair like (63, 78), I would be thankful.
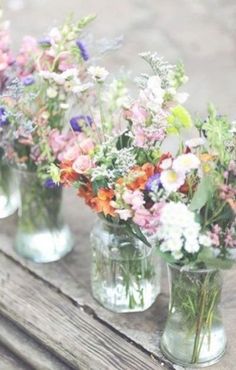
(123, 141)
(201, 195)
(167, 257)
(85, 21)
(179, 118)
(134, 230)
(219, 263)
(98, 184)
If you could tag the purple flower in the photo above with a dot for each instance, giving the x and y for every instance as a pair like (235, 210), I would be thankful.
(83, 51)
(74, 122)
(153, 182)
(28, 80)
(45, 41)
(50, 184)
(3, 117)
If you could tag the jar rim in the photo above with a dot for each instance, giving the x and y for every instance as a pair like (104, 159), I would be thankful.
(186, 268)
(110, 223)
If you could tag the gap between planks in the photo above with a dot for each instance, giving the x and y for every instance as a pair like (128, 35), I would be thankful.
(115, 350)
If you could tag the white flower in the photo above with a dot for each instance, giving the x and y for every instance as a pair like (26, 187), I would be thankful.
(192, 245)
(71, 72)
(55, 34)
(153, 95)
(124, 214)
(181, 98)
(178, 230)
(195, 142)
(166, 164)
(46, 74)
(177, 255)
(205, 240)
(64, 106)
(186, 162)
(81, 87)
(98, 73)
(51, 92)
(172, 180)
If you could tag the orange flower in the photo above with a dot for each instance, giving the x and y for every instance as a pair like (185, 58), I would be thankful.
(67, 174)
(206, 157)
(102, 202)
(140, 176)
(86, 192)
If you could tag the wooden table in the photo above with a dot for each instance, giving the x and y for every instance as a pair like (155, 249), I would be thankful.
(49, 320)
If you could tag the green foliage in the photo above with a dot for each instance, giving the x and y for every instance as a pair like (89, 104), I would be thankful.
(217, 129)
(179, 118)
(83, 22)
(202, 194)
(179, 76)
(123, 141)
(134, 230)
(99, 183)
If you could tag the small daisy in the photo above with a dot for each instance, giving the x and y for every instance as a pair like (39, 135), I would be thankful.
(186, 162)
(172, 180)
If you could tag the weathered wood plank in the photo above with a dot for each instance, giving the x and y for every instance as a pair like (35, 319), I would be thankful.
(62, 327)
(24, 347)
(9, 362)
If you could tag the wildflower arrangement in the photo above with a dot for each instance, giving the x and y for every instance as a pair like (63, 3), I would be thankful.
(185, 199)
(115, 173)
(49, 77)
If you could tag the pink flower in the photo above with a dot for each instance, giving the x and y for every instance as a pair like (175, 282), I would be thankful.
(136, 114)
(29, 44)
(142, 217)
(57, 141)
(134, 198)
(82, 164)
(70, 153)
(3, 61)
(86, 145)
(139, 136)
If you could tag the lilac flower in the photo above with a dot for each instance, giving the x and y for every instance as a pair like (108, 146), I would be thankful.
(83, 51)
(28, 80)
(153, 182)
(50, 184)
(45, 41)
(74, 122)
(3, 117)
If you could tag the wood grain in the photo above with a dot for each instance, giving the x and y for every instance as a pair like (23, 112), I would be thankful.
(64, 329)
(9, 362)
(26, 349)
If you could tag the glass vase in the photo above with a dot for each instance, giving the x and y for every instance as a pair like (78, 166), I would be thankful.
(42, 235)
(194, 334)
(125, 272)
(9, 190)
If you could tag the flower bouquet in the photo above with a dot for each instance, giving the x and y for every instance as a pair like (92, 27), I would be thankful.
(114, 165)
(196, 236)
(49, 77)
(9, 196)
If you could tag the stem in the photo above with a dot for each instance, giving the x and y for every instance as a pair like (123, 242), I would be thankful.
(199, 326)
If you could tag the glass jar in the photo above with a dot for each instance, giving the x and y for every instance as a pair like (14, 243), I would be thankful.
(42, 235)
(194, 334)
(125, 272)
(9, 190)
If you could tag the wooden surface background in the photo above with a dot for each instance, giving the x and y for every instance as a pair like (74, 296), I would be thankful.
(49, 320)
